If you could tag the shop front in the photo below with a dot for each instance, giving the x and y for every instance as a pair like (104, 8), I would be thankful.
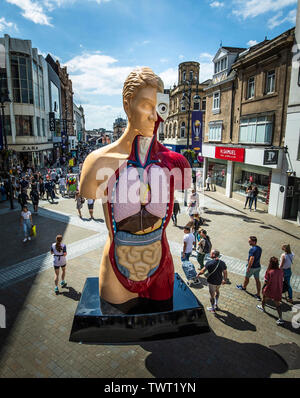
(34, 155)
(292, 204)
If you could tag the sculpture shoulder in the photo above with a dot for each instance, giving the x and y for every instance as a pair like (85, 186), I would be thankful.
(97, 168)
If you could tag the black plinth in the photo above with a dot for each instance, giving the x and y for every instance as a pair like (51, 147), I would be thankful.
(97, 321)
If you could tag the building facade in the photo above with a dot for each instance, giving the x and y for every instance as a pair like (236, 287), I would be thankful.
(26, 116)
(178, 125)
(119, 127)
(290, 198)
(246, 119)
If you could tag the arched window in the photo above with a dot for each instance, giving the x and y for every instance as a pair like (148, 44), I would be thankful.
(183, 76)
(182, 130)
(166, 131)
(175, 129)
(170, 130)
(191, 75)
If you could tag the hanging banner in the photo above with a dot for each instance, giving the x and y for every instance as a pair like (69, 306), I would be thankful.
(197, 119)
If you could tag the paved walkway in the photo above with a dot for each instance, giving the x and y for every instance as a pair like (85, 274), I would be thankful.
(35, 342)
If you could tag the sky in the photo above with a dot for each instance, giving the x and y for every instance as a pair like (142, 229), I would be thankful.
(101, 41)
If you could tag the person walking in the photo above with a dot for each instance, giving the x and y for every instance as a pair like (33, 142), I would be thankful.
(26, 223)
(208, 182)
(22, 198)
(62, 185)
(41, 188)
(217, 276)
(200, 250)
(253, 266)
(193, 205)
(272, 289)
(90, 204)
(34, 195)
(79, 202)
(197, 222)
(286, 261)
(59, 252)
(248, 196)
(176, 210)
(49, 190)
(253, 198)
(188, 243)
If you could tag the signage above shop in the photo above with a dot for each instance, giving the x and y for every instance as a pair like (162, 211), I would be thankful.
(30, 148)
(271, 156)
(228, 153)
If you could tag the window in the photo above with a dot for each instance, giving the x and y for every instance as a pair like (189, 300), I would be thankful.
(21, 79)
(197, 105)
(24, 125)
(221, 65)
(7, 127)
(41, 89)
(182, 108)
(216, 100)
(43, 128)
(182, 130)
(250, 87)
(204, 103)
(270, 82)
(191, 75)
(184, 75)
(215, 131)
(38, 125)
(257, 130)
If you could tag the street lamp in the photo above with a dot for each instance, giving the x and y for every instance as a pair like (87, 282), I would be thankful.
(4, 97)
(186, 101)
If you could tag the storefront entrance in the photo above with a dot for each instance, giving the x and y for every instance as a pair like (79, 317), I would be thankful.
(292, 204)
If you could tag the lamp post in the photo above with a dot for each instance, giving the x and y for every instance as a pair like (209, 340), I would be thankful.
(186, 101)
(4, 97)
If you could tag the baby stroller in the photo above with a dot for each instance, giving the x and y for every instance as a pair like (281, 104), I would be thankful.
(190, 273)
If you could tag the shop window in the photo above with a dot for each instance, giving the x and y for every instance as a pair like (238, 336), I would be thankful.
(218, 173)
(21, 79)
(23, 125)
(215, 131)
(250, 87)
(256, 130)
(244, 176)
(270, 82)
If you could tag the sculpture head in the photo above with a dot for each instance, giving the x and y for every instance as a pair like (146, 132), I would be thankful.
(140, 99)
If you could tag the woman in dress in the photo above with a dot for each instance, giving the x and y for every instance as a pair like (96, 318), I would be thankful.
(79, 202)
(286, 261)
(272, 290)
(59, 252)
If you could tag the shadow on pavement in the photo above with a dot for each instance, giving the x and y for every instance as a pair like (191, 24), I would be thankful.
(72, 293)
(234, 321)
(211, 356)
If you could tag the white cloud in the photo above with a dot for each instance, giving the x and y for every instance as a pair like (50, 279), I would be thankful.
(5, 25)
(98, 116)
(216, 4)
(206, 56)
(169, 77)
(252, 43)
(181, 56)
(96, 74)
(206, 71)
(32, 10)
(253, 8)
(278, 20)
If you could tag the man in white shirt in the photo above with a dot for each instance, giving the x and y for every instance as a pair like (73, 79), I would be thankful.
(188, 243)
(62, 185)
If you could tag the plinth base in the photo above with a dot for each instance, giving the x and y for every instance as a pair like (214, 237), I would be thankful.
(97, 321)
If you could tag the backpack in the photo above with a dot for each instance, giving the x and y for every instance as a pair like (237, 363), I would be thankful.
(207, 246)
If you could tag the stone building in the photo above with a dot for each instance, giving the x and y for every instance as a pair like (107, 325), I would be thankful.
(178, 123)
(246, 116)
(119, 127)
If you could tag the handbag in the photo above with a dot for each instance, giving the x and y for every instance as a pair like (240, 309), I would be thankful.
(33, 230)
(207, 274)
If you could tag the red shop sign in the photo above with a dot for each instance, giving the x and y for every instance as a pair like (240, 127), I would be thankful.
(234, 154)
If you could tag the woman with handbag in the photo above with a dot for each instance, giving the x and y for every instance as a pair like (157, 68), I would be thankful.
(216, 273)
(26, 222)
(272, 289)
(286, 261)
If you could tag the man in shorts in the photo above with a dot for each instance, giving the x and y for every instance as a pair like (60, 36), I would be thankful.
(253, 266)
(90, 203)
(188, 243)
(217, 276)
